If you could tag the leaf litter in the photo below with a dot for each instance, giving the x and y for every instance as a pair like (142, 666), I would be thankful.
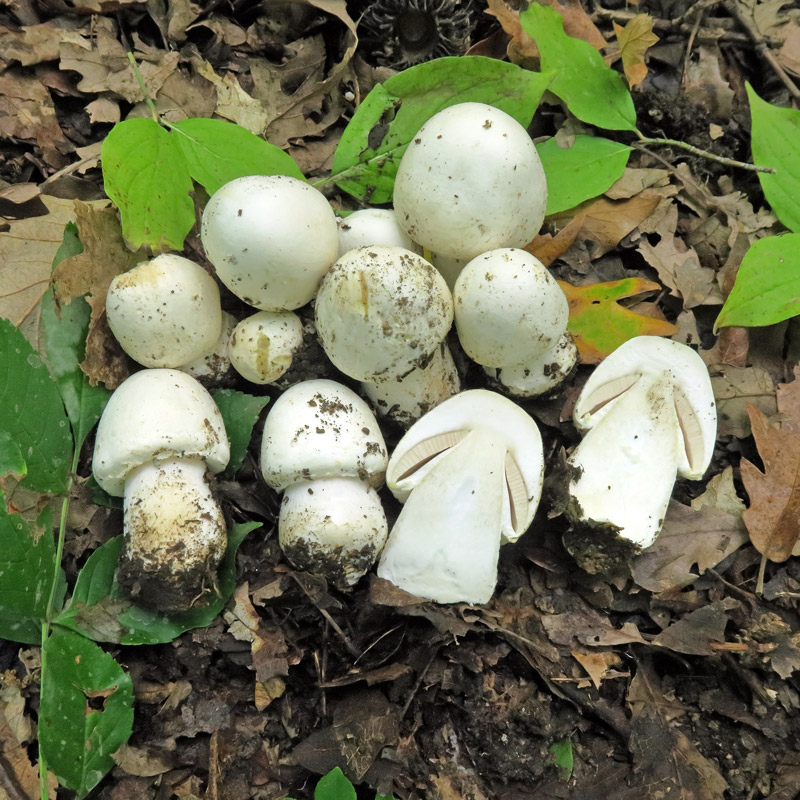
(650, 674)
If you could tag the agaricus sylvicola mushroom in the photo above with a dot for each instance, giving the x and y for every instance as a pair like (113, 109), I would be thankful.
(323, 448)
(470, 181)
(372, 226)
(159, 437)
(165, 312)
(382, 312)
(263, 345)
(214, 368)
(511, 317)
(649, 415)
(470, 474)
(271, 238)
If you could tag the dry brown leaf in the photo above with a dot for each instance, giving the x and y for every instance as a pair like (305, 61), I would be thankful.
(634, 40)
(705, 85)
(34, 44)
(521, 46)
(689, 539)
(577, 23)
(720, 493)
(788, 401)
(547, 248)
(143, 761)
(789, 54)
(607, 222)
(635, 180)
(696, 633)
(597, 665)
(773, 517)
(736, 387)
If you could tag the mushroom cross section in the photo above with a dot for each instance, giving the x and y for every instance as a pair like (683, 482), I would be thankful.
(470, 475)
(650, 414)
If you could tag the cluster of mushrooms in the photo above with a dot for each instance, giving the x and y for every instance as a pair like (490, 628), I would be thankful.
(469, 194)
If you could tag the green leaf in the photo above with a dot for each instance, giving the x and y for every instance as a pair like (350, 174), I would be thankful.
(216, 151)
(27, 559)
(65, 343)
(369, 152)
(767, 287)
(563, 758)
(12, 462)
(334, 786)
(86, 710)
(592, 91)
(32, 413)
(99, 610)
(239, 412)
(776, 143)
(145, 174)
(582, 171)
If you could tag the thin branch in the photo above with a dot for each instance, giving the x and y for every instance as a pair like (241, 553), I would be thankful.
(140, 81)
(728, 162)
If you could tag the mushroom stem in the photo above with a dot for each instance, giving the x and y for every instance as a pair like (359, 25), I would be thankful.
(174, 533)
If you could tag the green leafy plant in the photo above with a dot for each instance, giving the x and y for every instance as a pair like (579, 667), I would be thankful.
(335, 786)
(86, 708)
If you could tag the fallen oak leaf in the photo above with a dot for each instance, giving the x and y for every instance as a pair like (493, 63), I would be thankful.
(600, 325)
(634, 40)
(773, 517)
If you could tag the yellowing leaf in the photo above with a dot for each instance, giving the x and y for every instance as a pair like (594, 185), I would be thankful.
(599, 325)
(634, 40)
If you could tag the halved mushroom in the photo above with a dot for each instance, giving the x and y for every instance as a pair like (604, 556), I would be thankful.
(470, 475)
(650, 414)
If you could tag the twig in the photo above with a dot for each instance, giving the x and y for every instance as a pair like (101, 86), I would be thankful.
(762, 46)
(729, 162)
(140, 81)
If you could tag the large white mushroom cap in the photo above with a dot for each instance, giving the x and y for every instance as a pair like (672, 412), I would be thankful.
(470, 181)
(321, 429)
(381, 311)
(271, 238)
(650, 413)
(157, 414)
(165, 312)
(370, 226)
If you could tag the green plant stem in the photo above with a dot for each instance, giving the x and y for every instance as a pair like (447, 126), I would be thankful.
(140, 81)
(729, 162)
(51, 600)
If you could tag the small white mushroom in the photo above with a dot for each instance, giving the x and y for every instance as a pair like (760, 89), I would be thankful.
(264, 344)
(650, 415)
(470, 475)
(271, 238)
(323, 446)
(382, 312)
(165, 312)
(159, 436)
(511, 317)
(470, 181)
(370, 226)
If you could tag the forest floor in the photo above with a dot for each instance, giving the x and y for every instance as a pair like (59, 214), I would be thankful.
(671, 678)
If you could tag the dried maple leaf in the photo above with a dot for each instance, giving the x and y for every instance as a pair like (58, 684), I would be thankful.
(773, 518)
(788, 397)
(600, 325)
(634, 40)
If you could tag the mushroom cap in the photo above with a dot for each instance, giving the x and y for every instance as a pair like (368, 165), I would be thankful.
(370, 226)
(675, 365)
(443, 430)
(262, 345)
(332, 526)
(213, 367)
(165, 312)
(470, 181)
(154, 415)
(271, 238)
(381, 311)
(321, 429)
(508, 308)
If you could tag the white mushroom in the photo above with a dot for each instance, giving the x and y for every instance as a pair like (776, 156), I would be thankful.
(213, 367)
(470, 181)
(165, 312)
(650, 415)
(263, 345)
(511, 317)
(271, 239)
(382, 312)
(158, 437)
(470, 474)
(323, 446)
(370, 226)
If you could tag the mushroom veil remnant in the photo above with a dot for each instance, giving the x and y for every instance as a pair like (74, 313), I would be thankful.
(159, 436)
(470, 474)
(649, 415)
(323, 448)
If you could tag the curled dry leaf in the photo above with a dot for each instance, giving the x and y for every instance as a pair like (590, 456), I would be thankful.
(634, 41)
(773, 517)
